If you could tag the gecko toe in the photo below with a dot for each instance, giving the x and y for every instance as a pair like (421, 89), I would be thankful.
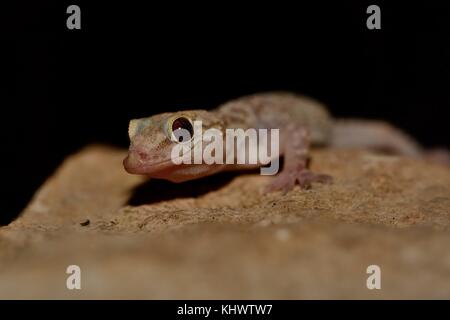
(305, 178)
(283, 182)
(286, 181)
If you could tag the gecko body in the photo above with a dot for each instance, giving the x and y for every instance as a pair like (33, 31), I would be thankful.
(302, 122)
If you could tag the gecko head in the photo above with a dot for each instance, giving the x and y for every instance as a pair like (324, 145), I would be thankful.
(152, 140)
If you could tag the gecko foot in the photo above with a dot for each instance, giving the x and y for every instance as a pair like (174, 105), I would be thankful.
(286, 181)
(438, 156)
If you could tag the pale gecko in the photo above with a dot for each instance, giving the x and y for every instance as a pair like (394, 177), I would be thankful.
(302, 122)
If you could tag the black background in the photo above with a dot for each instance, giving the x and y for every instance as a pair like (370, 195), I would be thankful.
(75, 87)
(282, 309)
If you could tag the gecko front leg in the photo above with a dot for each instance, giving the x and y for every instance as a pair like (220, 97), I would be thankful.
(296, 154)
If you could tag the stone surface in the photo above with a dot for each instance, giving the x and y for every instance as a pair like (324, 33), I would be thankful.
(219, 237)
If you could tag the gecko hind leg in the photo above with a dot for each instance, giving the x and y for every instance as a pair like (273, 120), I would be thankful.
(295, 171)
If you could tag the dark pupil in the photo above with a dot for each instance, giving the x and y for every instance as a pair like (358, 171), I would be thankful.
(177, 128)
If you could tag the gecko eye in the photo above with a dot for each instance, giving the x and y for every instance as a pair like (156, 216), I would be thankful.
(182, 130)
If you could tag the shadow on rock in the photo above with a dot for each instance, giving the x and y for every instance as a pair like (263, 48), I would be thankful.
(155, 190)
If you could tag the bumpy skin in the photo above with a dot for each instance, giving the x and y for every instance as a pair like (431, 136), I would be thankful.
(302, 121)
(278, 110)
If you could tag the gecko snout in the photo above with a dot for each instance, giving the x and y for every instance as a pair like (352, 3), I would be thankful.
(135, 160)
(142, 155)
(138, 155)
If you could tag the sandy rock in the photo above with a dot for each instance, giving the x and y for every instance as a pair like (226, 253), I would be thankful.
(220, 237)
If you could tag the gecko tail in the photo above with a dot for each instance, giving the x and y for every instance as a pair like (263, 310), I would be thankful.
(382, 137)
(374, 135)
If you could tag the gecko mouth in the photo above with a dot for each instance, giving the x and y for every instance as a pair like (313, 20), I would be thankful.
(134, 164)
(133, 167)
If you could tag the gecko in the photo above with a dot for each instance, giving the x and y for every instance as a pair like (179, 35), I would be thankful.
(303, 122)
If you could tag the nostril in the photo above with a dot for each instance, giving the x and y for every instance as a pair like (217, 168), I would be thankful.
(142, 155)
